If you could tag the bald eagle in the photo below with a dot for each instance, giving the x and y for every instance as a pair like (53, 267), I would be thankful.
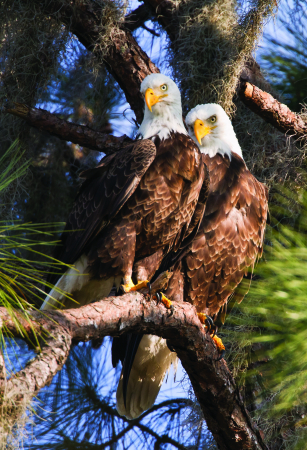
(230, 237)
(208, 271)
(133, 208)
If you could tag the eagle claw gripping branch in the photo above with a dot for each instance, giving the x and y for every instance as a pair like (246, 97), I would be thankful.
(211, 329)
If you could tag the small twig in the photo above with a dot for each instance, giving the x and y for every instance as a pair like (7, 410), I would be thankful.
(153, 32)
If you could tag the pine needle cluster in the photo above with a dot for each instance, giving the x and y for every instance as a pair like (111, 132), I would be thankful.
(268, 330)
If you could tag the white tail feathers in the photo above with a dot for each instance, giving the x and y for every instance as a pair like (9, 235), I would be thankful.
(152, 360)
(78, 283)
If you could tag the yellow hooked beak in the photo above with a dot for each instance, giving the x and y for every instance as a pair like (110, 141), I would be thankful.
(201, 130)
(151, 98)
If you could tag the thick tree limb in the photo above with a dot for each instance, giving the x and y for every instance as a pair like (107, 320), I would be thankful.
(213, 383)
(68, 131)
(124, 58)
(272, 111)
(40, 371)
(18, 390)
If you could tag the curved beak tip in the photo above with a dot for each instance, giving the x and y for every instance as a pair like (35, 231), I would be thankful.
(200, 130)
(150, 98)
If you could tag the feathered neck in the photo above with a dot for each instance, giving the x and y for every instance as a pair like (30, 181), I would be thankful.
(164, 119)
(218, 146)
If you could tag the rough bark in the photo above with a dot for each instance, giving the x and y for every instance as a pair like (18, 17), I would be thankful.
(2, 368)
(68, 131)
(272, 111)
(213, 383)
(39, 371)
(124, 58)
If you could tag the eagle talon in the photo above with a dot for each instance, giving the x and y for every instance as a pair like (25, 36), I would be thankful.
(213, 331)
(208, 322)
(149, 288)
(166, 302)
(221, 355)
(158, 296)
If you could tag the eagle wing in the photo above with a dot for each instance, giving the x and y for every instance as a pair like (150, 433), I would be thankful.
(105, 190)
(209, 270)
(173, 257)
(230, 239)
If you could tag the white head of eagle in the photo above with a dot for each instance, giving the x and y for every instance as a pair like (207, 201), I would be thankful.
(163, 111)
(210, 127)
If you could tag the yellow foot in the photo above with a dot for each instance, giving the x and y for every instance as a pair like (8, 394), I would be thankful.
(166, 302)
(130, 286)
(220, 346)
(208, 322)
(202, 317)
(218, 342)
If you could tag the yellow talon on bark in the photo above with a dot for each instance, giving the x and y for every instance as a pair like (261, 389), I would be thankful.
(130, 286)
(218, 342)
(167, 303)
(202, 317)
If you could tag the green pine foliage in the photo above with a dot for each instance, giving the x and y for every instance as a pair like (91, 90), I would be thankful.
(22, 282)
(270, 331)
(78, 411)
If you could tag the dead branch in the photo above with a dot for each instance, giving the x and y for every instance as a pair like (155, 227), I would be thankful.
(213, 383)
(164, 11)
(137, 18)
(68, 131)
(272, 111)
(124, 58)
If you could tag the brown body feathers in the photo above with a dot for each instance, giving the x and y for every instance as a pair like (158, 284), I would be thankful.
(229, 240)
(137, 204)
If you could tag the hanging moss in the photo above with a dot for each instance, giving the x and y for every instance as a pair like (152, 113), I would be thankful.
(215, 43)
(42, 62)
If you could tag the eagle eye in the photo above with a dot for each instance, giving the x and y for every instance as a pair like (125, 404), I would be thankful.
(163, 87)
(212, 119)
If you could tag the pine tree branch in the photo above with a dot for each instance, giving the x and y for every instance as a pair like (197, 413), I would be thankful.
(68, 131)
(272, 111)
(123, 57)
(40, 370)
(213, 383)
(137, 18)
(146, 429)
(164, 11)
(18, 390)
